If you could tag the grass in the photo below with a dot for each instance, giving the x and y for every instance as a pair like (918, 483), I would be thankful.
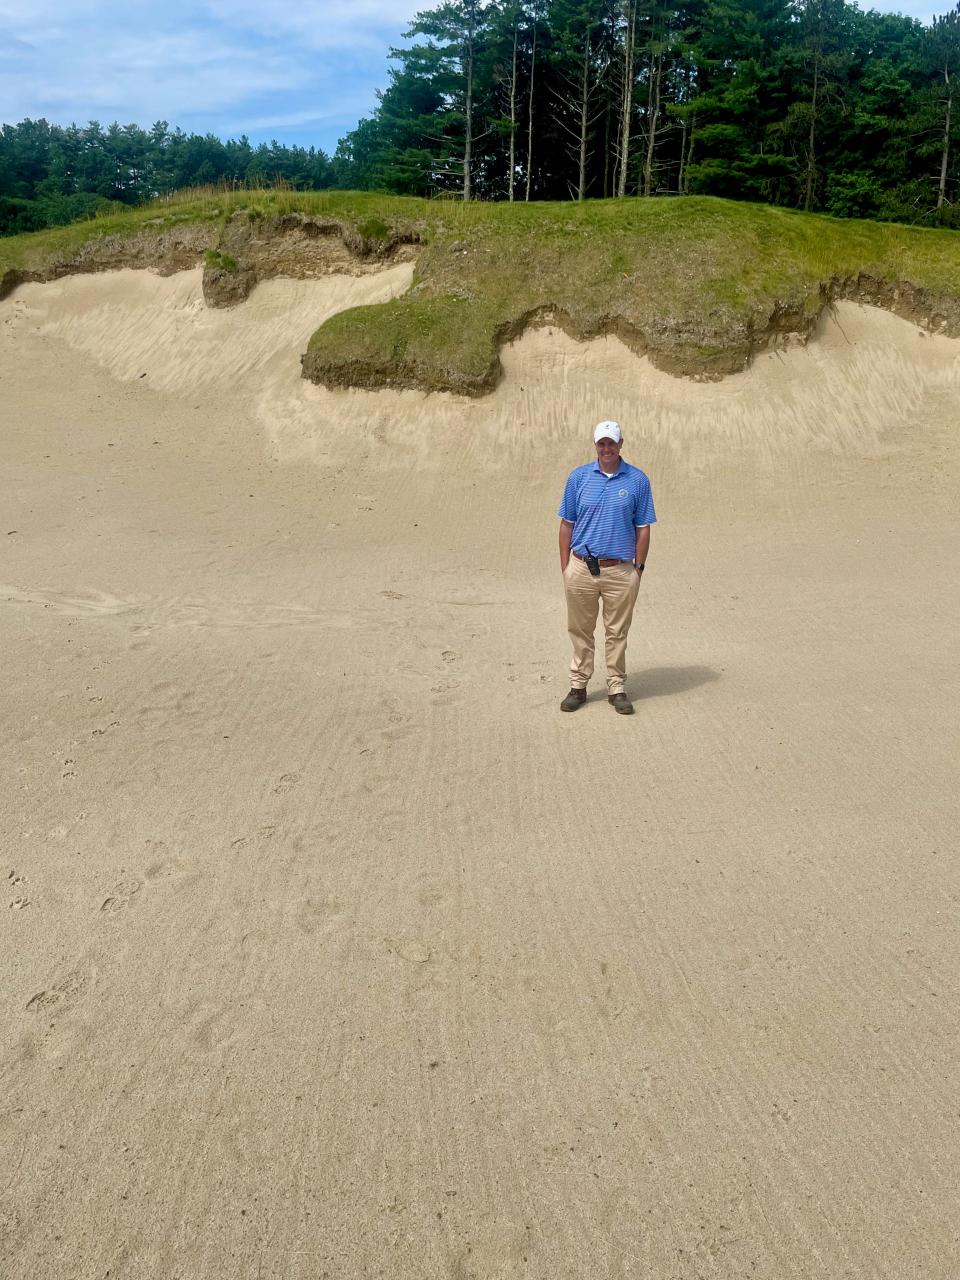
(698, 282)
(218, 261)
(36, 251)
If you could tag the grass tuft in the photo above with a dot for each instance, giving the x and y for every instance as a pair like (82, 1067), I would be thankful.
(222, 261)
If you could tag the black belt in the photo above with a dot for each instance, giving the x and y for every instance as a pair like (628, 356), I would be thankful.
(604, 564)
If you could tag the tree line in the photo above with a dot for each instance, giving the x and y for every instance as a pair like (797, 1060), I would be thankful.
(811, 104)
(50, 175)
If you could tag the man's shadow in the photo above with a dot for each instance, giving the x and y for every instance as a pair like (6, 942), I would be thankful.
(663, 682)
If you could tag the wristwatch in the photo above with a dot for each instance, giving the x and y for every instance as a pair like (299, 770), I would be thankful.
(641, 567)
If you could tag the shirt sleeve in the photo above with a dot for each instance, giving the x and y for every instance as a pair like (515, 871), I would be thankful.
(568, 503)
(645, 513)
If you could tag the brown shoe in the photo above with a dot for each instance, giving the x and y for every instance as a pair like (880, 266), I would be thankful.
(621, 704)
(574, 699)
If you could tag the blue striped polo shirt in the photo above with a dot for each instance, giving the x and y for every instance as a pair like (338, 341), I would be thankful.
(606, 511)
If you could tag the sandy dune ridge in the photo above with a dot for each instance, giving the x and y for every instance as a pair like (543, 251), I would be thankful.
(330, 948)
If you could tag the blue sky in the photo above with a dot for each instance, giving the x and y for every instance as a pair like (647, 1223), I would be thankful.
(301, 71)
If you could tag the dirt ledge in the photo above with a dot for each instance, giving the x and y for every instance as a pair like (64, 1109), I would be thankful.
(298, 247)
(236, 255)
(166, 252)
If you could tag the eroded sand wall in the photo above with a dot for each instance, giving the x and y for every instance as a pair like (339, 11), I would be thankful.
(862, 377)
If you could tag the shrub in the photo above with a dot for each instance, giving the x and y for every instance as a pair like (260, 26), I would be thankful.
(853, 195)
(222, 262)
(375, 229)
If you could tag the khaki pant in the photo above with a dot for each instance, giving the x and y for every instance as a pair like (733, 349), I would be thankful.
(618, 587)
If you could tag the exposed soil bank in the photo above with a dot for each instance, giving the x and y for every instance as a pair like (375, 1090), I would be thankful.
(665, 288)
(236, 255)
(167, 251)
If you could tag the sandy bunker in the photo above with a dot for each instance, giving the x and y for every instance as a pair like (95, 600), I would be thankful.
(330, 947)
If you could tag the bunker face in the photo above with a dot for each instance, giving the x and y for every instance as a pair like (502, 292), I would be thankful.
(331, 945)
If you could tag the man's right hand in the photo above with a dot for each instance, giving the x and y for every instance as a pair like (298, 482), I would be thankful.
(566, 538)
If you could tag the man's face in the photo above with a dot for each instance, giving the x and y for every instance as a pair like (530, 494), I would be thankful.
(608, 454)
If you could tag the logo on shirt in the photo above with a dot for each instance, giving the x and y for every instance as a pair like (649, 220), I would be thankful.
(623, 493)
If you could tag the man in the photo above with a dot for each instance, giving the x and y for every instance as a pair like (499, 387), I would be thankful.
(606, 512)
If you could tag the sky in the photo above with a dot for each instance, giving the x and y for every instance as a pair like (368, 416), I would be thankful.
(300, 71)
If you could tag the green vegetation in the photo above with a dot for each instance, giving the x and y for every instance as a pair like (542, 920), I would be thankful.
(50, 175)
(374, 229)
(218, 261)
(697, 282)
(35, 253)
(812, 104)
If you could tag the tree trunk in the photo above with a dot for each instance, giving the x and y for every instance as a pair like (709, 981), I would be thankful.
(687, 126)
(468, 112)
(513, 114)
(811, 144)
(686, 168)
(533, 64)
(685, 164)
(606, 151)
(584, 118)
(653, 113)
(627, 105)
(944, 159)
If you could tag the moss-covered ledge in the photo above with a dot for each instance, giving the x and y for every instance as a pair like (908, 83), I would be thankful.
(239, 238)
(699, 285)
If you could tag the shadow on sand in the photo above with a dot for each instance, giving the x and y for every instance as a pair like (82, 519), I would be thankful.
(662, 682)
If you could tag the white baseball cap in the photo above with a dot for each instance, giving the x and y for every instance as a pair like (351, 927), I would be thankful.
(607, 431)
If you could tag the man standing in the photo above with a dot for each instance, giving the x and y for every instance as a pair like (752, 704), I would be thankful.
(605, 520)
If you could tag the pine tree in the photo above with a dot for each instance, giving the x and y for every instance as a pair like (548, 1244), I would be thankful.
(943, 52)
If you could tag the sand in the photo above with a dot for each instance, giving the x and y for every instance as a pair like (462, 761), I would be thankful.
(331, 949)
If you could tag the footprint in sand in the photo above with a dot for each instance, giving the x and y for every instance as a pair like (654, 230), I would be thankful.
(18, 884)
(399, 726)
(449, 655)
(445, 686)
(167, 867)
(99, 732)
(64, 993)
(287, 782)
(121, 895)
(261, 834)
(446, 700)
(392, 595)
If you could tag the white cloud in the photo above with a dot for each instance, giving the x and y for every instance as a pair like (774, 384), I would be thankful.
(229, 66)
(319, 23)
(131, 78)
